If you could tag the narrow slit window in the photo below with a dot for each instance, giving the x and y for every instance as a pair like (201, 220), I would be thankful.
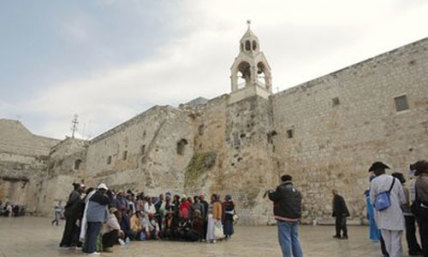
(290, 133)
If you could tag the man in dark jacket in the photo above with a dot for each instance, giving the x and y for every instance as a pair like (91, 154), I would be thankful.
(287, 210)
(340, 211)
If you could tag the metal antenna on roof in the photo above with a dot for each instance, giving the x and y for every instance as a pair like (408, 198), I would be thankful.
(74, 124)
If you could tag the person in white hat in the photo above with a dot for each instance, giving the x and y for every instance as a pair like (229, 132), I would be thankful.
(96, 214)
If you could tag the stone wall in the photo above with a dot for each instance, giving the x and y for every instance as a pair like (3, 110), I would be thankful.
(66, 166)
(23, 163)
(142, 154)
(334, 144)
(232, 154)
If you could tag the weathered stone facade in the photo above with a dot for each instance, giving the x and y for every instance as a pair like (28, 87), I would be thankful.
(23, 164)
(325, 133)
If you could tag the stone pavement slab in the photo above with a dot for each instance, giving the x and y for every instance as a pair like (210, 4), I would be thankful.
(35, 237)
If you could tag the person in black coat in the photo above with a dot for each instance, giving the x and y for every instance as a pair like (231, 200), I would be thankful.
(70, 220)
(340, 211)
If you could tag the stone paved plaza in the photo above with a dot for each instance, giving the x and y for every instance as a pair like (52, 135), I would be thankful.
(34, 237)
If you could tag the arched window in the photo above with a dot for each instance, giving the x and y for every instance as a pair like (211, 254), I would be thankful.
(201, 129)
(77, 164)
(254, 45)
(143, 149)
(181, 146)
(247, 45)
(109, 160)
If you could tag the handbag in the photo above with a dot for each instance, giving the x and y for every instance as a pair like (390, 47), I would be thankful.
(418, 208)
(235, 218)
(218, 230)
(382, 199)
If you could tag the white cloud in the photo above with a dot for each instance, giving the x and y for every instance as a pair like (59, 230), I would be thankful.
(301, 39)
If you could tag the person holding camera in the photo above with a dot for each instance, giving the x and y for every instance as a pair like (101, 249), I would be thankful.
(287, 202)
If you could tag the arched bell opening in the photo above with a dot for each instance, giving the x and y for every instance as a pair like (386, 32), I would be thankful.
(262, 76)
(244, 74)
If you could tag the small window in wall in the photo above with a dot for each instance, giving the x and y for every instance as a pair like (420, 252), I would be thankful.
(109, 160)
(77, 164)
(401, 103)
(336, 101)
(181, 146)
(143, 149)
(290, 133)
(125, 155)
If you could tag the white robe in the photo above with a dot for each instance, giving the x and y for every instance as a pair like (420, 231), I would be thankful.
(83, 222)
(393, 217)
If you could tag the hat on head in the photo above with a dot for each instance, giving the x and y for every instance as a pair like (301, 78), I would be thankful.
(102, 186)
(286, 177)
(419, 167)
(399, 176)
(378, 166)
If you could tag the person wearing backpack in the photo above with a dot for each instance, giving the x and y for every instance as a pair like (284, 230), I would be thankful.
(387, 196)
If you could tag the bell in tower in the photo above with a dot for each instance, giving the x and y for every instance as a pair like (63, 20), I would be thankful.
(250, 73)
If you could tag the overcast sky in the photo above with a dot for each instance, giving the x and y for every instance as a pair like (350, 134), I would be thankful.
(108, 60)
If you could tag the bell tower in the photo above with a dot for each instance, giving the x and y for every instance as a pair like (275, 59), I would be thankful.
(250, 72)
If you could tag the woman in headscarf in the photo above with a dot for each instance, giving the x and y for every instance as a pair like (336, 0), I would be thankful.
(214, 217)
(229, 212)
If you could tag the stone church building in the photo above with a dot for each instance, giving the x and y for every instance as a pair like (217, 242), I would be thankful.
(325, 133)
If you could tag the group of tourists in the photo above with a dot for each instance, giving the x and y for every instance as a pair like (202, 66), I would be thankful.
(392, 208)
(8, 209)
(97, 219)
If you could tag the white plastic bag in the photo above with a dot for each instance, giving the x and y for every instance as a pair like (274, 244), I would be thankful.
(218, 230)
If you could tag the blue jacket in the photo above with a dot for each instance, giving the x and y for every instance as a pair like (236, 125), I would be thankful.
(97, 208)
